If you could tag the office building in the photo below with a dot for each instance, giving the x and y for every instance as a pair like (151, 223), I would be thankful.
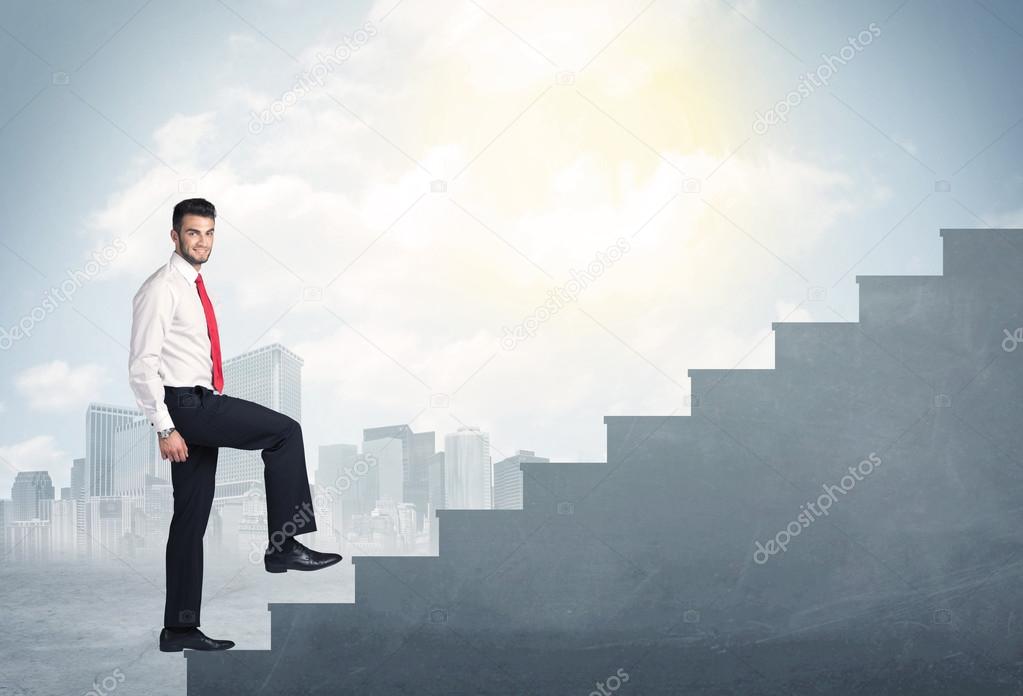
(508, 479)
(29, 491)
(467, 474)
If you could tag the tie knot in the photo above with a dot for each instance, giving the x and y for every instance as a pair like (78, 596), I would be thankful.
(198, 278)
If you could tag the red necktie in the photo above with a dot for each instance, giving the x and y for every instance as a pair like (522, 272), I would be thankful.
(211, 326)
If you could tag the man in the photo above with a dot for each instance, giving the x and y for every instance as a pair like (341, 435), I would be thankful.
(176, 374)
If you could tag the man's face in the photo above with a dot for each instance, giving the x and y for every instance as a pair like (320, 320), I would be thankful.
(195, 240)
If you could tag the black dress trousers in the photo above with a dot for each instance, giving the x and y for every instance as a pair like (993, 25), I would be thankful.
(207, 421)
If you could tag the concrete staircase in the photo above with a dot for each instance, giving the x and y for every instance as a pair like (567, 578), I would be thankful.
(646, 564)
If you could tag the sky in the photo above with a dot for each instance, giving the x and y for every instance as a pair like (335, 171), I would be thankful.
(521, 216)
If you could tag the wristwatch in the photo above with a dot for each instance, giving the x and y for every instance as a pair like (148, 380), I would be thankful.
(164, 434)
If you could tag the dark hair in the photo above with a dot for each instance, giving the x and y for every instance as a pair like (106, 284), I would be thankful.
(192, 206)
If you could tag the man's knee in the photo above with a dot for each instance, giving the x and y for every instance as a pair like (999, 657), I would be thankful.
(291, 428)
(284, 430)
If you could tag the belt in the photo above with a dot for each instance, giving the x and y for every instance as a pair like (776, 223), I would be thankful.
(197, 389)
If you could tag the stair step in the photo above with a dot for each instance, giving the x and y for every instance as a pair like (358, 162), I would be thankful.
(982, 254)
(293, 622)
(628, 435)
(803, 344)
(228, 671)
(482, 532)
(888, 300)
(545, 485)
(932, 323)
(715, 390)
(398, 589)
(399, 592)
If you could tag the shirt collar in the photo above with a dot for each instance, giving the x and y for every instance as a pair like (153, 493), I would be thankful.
(187, 270)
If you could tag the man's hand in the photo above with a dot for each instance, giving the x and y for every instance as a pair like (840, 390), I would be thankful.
(174, 448)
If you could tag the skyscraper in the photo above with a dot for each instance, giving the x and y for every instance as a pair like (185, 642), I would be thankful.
(416, 451)
(136, 455)
(78, 478)
(79, 493)
(350, 481)
(332, 462)
(270, 376)
(332, 483)
(29, 540)
(121, 451)
(508, 479)
(159, 509)
(467, 474)
(102, 421)
(108, 522)
(406, 520)
(29, 491)
(437, 499)
(389, 455)
(63, 530)
(424, 446)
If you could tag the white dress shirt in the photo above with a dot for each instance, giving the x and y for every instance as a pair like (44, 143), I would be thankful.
(170, 343)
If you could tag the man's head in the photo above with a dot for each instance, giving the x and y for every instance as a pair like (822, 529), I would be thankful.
(192, 229)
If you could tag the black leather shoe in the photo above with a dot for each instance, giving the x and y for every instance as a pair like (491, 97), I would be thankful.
(297, 557)
(193, 640)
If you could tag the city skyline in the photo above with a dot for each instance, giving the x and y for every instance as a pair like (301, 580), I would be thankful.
(121, 488)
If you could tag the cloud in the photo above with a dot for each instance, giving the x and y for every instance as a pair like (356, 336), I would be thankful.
(539, 177)
(181, 136)
(56, 386)
(791, 312)
(39, 453)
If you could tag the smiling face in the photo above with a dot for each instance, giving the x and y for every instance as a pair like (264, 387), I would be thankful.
(195, 240)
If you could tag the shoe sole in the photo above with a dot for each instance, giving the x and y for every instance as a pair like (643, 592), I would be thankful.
(283, 569)
(180, 648)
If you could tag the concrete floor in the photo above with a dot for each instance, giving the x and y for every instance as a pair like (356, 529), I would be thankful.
(93, 628)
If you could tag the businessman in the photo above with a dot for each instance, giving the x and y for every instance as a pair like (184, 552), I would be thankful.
(176, 374)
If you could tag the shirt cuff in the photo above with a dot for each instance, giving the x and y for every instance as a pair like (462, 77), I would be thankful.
(162, 422)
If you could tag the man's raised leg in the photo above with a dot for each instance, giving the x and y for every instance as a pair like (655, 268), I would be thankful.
(241, 424)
